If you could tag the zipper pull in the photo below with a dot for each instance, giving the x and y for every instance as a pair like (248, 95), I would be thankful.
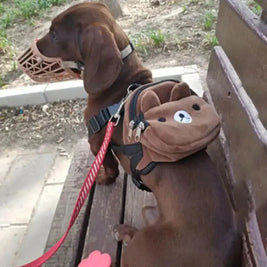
(140, 128)
(131, 125)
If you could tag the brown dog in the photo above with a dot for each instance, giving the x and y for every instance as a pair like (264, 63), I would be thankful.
(88, 33)
(195, 225)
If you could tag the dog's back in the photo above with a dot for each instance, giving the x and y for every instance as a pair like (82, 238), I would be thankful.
(196, 226)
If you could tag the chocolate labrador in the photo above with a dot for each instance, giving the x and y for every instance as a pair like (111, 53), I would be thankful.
(196, 225)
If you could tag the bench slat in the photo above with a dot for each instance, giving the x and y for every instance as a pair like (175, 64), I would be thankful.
(67, 254)
(246, 139)
(243, 37)
(135, 201)
(106, 211)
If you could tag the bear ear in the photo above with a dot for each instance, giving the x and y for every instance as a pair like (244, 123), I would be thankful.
(179, 91)
(149, 100)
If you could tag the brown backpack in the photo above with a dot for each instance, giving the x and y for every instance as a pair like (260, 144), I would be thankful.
(164, 122)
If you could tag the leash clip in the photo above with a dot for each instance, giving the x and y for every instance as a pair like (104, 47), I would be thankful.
(116, 117)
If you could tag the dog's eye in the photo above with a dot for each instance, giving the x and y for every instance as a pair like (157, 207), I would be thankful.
(53, 36)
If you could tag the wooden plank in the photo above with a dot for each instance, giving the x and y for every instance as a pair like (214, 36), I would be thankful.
(243, 37)
(246, 137)
(136, 199)
(106, 211)
(254, 254)
(219, 157)
(68, 253)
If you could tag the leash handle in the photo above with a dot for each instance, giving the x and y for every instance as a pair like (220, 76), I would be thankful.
(84, 192)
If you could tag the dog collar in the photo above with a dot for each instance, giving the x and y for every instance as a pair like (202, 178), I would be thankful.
(127, 51)
(76, 65)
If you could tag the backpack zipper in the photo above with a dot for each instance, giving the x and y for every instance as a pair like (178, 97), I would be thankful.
(138, 121)
(140, 128)
(131, 126)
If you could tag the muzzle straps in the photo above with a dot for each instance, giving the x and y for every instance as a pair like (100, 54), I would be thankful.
(52, 69)
(47, 69)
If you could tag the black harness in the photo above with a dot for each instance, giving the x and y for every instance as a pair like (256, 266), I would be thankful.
(133, 151)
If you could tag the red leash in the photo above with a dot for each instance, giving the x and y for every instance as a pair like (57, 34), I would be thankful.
(84, 192)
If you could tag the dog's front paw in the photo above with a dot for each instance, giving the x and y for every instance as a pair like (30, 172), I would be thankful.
(106, 176)
(124, 233)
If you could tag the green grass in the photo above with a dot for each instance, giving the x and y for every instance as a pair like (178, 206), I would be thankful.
(256, 8)
(7, 19)
(158, 38)
(20, 10)
(5, 47)
(147, 40)
(30, 8)
(1, 8)
(24, 10)
(208, 20)
(209, 40)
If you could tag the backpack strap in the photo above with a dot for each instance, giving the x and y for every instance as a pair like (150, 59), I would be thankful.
(135, 153)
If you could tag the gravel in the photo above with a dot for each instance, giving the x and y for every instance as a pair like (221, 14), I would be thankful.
(31, 126)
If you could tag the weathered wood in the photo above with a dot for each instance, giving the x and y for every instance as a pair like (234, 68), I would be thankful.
(219, 156)
(254, 254)
(106, 211)
(246, 137)
(243, 37)
(135, 201)
(68, 253)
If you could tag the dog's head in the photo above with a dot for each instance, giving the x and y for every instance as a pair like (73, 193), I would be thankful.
(87, 33)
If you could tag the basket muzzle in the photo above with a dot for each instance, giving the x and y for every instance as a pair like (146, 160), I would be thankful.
(47, 69)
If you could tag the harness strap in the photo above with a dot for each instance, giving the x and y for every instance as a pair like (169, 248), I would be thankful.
(135, 153)
(98, 122)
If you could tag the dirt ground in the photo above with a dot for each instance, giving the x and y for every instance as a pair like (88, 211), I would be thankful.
(186, 40)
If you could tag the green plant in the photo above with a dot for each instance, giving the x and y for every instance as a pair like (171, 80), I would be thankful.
(27, 8)
(1, 81)
(58, 2)
(1, 8)
(209, 40)
(7, 19)
(44, 4)
(4, 45)
(256, 8)
(147, 40)
(158, 38)
(208, 3)
(208, 20)
(140, 42)
(3, 32)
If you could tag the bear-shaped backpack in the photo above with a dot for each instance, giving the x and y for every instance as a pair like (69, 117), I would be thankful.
(168, 121)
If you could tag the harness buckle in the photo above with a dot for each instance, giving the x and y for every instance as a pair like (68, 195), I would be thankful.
(116, 117)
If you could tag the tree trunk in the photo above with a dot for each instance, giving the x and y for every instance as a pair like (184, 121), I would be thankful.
(114, 7)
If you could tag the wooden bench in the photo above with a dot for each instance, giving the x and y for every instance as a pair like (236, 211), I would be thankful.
(237, 84)
(106, 206)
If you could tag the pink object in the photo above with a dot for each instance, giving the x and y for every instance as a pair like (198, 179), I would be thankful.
(84, 192)
(96, 259)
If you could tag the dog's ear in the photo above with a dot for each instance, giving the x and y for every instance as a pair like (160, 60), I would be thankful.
(149, 100)
(102, 58)
(180, 90)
